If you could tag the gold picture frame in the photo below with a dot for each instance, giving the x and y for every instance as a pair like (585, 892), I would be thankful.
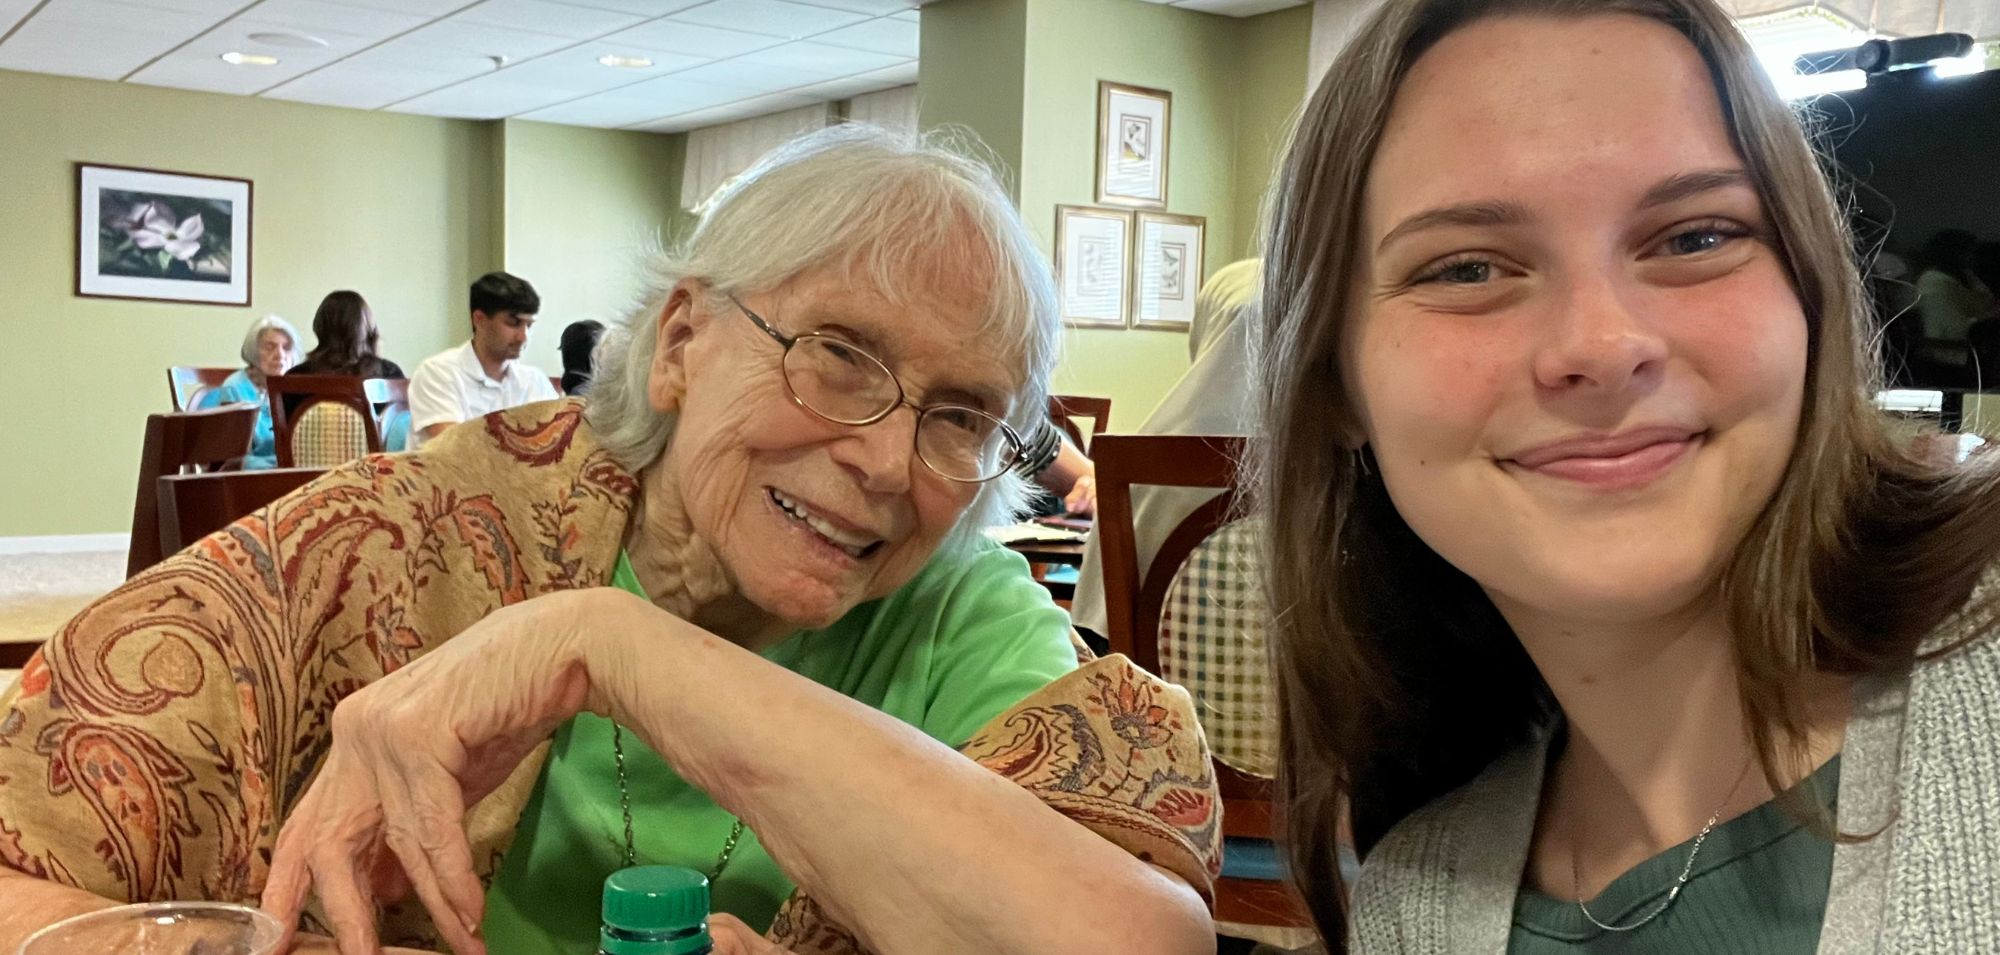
(1093, 267)
(1169, 258)
(1134, 145)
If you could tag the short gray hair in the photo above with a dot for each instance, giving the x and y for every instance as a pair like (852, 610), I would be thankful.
(878, 204)
(256, 332)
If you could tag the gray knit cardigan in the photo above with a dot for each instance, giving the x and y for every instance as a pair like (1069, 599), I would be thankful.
(1921, 756)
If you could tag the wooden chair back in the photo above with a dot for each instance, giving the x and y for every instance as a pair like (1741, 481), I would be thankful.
(193, 506)
(188, 384)
(1065, 409)
(176, 443)
(1134, 599)
(293, 398)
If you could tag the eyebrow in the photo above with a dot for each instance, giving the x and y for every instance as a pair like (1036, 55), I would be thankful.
(1670, 190)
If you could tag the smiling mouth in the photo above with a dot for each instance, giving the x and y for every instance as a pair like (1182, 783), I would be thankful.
(857, 546)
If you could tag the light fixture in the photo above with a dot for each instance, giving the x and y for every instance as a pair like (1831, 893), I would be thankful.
(234, 58)
(624, 62)
(290, 38)
(1959, 65)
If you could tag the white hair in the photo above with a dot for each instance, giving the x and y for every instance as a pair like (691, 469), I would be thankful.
(880, 206)
(258, 328)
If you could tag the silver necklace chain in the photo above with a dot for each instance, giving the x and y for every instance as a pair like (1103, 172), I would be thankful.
(1673, 893)
(625, 807)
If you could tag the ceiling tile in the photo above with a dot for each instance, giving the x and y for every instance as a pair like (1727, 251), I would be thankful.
(108, 55)
(772, 17)
(198, 64)
(541, 16)
(870, 7)
(851, 86)
(910, 15)
(212, 9)
(644, 8)
(484, 98)
(428, 8)
(411, 53)
(363, 86)
(482, 39)
(741, 74)
(673, 36)
(318, 17)
(884, 35)
(637, 104)
(717, 115)
(11, 12)
(1238, 8)
(818, 58)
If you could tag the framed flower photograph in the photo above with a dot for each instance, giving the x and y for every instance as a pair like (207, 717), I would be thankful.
(1132, 143)
(1092, 246)
(163, 236)
(1168, 258)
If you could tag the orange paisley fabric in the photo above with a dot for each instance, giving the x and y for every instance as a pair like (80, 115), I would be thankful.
(153, 747)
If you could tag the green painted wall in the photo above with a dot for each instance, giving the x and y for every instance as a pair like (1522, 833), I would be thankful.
(582, 209)
(971, 74)
(405, 209)
(1234, 81)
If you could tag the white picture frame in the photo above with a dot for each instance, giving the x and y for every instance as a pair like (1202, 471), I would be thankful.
(1169, 259)
(1092, 265)
(162, 236)
(1134, 144)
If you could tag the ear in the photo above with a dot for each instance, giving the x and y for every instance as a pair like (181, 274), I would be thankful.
(677, 325)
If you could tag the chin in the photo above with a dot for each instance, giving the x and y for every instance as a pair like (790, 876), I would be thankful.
(1625, 587)
(806, 604)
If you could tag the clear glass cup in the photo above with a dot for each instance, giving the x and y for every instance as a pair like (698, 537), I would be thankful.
(161, 928)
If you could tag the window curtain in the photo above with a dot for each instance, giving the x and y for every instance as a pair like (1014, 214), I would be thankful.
(892, 109)
(717, 153)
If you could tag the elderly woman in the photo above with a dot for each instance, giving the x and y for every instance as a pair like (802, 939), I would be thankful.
(270, 347)
(735, 615)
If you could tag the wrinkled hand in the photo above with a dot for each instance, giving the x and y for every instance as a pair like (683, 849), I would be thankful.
(411, 752)
(732, 937)
(1082, 497)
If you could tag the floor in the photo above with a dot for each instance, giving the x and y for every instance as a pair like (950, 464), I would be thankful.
(40, 592)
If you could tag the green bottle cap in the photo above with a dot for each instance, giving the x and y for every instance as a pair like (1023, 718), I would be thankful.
(656, 910)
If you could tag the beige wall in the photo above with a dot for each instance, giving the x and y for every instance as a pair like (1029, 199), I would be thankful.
(405, 209)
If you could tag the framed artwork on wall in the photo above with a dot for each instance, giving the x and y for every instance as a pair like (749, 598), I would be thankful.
(1093, 246)
(162, 236)
(1168, 257)
(1132, 145)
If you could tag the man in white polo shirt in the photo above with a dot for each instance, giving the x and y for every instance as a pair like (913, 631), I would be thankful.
(483, 375)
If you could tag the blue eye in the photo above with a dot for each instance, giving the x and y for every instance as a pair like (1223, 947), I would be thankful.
(1703, 237)
(1458, 272)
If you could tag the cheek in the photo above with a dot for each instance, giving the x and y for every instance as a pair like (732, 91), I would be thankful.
(726, 424)
(1427, 385)
(1748, 345)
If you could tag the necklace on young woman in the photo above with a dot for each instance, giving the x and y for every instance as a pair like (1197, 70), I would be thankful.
(1687, 870)
(625, 806)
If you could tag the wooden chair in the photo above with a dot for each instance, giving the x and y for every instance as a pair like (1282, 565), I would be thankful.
(1135, 600)
(177, 443)
(323, 420)
(1065, 409)
(193, 506)
(188, 384)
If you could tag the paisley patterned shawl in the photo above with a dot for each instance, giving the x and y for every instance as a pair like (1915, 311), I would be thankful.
(153, 747)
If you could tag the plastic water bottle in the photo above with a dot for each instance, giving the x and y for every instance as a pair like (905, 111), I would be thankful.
(655, 910)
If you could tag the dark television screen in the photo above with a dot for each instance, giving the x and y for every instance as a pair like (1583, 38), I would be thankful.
(1921, 155)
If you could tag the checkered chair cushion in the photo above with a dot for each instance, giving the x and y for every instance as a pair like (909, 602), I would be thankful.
(1212, 642)
(328, 433)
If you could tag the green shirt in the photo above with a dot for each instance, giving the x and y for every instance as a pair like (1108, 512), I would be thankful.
(1759, 885)
(966, 639)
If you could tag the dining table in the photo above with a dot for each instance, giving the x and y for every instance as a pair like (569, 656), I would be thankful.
(1052, 559)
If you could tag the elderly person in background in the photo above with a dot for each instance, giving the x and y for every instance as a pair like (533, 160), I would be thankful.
(270, 347)
(734, 614)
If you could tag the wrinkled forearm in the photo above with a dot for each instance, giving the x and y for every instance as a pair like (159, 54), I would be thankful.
(33, 904)
(904, 841)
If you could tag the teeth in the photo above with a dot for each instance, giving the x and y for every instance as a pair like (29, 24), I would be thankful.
(853, 544)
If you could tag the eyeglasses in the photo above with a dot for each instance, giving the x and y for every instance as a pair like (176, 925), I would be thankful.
(838, 381)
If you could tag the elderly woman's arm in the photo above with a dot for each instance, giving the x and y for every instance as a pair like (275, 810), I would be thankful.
(909, 844)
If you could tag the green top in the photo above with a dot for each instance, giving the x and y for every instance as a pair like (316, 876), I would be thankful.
(955, 647)
(1759, 885)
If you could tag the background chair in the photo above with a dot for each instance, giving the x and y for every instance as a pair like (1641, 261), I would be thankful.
(320, 421)
(177, 443)
(188, 384)
(1065, 409)
(1214, 645)
(193, 506)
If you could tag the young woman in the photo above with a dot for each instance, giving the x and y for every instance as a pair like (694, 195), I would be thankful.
(1624, 620)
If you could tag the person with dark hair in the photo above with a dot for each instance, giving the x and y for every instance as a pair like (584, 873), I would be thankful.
(485, 374)
(1950, 295)
(346, 340)
(578, 341)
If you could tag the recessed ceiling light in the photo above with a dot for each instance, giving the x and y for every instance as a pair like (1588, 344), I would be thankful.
(234, 58)
(625, 62)
(288, 38)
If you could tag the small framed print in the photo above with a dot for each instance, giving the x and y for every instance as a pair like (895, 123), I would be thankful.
(163, 236)
(1168, 259)
(1132, 144)
(1093, 271)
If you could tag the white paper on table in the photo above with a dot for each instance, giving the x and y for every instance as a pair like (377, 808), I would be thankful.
(1034, 531)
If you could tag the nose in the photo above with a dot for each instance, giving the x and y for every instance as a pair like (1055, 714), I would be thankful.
(880, 455)
(1601, 339)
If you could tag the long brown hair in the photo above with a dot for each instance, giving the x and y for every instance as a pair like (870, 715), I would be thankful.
(346, 336)
(1398, 680)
